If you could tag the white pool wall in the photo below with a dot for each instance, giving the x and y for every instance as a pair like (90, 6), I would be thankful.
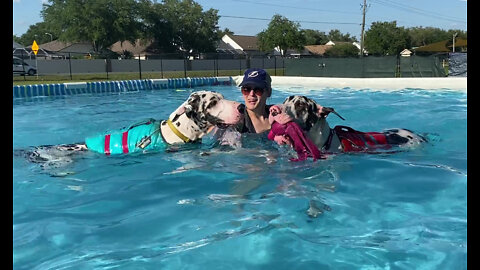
(453, 83)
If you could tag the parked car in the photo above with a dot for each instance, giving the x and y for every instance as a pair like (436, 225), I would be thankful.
(21, 67)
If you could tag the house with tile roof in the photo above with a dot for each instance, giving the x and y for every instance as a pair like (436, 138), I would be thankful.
(23, 52)
(17, 45)
(20, 51)
(63, 49)
(317, 49)
(142, 49)
(226, 48)
(248, 45)
(444, 46)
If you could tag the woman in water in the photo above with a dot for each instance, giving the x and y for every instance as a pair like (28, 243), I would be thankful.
(256, 88)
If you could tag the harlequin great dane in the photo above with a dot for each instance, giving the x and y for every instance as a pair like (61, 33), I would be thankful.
(202, 111)
(311, 117)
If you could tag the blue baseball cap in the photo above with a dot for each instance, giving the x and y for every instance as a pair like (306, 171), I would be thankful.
(257, 78)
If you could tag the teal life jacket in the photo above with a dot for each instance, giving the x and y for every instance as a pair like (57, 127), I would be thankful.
(138, 137)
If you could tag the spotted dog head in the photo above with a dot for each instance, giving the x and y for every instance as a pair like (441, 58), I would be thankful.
(305, 111)
(207, 108)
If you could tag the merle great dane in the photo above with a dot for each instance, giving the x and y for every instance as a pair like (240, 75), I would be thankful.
(311, 117)
(201, 112)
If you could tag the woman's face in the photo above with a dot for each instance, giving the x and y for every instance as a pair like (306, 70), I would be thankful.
(254, 97)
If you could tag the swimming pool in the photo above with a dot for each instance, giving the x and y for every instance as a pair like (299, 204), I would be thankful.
(222, 208)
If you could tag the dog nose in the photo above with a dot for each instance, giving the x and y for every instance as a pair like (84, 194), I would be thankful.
(241, 108)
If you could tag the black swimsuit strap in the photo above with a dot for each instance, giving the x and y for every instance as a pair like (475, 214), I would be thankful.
(247, 126)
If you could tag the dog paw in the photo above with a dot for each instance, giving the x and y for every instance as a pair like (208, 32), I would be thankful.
(314, 210)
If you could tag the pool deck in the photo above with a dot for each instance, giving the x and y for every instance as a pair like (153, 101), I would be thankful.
(453, 83)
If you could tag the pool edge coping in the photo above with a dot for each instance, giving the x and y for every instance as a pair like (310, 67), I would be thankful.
(392, 84)
(117, 86)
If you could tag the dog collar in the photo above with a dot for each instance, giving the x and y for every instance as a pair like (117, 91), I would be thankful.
(177, 132)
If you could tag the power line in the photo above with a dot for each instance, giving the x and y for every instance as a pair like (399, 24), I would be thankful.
(295, 7)
(426, 12)
(418, 11)
(265, 19)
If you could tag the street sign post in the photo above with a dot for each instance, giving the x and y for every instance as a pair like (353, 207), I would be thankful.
(35, 51)
(35, 47)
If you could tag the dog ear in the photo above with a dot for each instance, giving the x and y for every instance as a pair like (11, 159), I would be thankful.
(287, 99)
(192, 104)
(312, 116)
(324, 111)
(179, 111)
(193, 110)
(186, 108)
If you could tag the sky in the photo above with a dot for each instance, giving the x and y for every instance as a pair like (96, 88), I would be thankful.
(249, 17)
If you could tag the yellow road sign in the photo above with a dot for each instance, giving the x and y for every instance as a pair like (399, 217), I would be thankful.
(35, 47)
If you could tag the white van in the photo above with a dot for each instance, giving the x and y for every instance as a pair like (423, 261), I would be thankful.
(21, 67)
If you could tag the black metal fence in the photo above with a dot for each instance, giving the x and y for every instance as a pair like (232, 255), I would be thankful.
(369, 67)
(151, 66)
(72, 65)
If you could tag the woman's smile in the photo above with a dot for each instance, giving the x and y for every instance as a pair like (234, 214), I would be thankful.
(252, 102)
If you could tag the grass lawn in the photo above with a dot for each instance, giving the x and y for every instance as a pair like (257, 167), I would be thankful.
(49, 79)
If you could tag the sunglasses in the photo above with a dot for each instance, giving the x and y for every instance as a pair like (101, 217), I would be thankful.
(247, 89)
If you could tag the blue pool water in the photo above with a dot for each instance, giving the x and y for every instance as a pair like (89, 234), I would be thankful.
(221, 208)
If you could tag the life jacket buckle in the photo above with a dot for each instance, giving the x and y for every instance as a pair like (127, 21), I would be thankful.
(144, 142)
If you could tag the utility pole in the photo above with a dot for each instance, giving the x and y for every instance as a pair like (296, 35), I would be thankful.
(362, 40)
(454, 36)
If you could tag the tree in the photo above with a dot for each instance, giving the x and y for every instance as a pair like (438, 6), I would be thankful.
(157, 27)
(421, 36)
(336, 35)
(195, 30)
(385, 38)
(180, 26)
(223, 32)
(342, 50)
(36, 32)
(281, 33)
(101, 22)
(314, 37)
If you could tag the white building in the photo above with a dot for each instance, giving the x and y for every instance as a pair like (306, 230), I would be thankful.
(356, 44)
(406, 53)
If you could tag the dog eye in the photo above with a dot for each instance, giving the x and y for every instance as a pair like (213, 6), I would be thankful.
(299, 105)
(213, 103)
